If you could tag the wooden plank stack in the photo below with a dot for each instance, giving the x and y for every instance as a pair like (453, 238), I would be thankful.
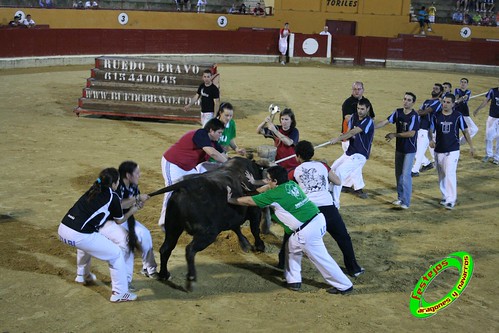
(143, 88)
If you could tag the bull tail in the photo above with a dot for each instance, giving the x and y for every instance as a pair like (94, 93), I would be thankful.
(170, 188)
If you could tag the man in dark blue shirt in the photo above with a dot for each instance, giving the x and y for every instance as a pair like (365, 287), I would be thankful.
(447, 125)
(350, 164)
(406, 120)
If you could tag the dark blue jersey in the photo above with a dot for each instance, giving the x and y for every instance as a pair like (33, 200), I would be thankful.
(127, 192)
(447, 131)
(493, 95)
(361, 142)
(462, 106)
(405, 123)
(425, 120)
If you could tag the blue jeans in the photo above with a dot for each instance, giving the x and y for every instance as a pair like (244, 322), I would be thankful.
(403, 166)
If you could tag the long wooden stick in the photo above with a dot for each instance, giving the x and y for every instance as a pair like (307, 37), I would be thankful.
(291, 156)
(478, 95)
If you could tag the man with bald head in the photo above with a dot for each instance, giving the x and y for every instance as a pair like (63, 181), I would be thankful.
(348, 108)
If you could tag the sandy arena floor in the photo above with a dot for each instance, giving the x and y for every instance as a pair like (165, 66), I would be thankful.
(49, 157)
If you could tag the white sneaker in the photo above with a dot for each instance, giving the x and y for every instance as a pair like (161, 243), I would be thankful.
(283, 63)
(404, 206)
(429, 29)
(397, 203)
(449, 206)
(124, 297)
(86, 279)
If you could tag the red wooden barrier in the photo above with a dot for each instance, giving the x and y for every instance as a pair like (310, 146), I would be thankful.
(51, 42)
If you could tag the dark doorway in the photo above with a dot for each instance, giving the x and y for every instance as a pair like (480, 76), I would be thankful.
(341, 27)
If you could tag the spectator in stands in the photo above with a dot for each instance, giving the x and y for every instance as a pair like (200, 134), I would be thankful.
(91, 4)
(242, 8)
(482, 5)
(45, 3)
(233, 9)
(258, 10)
(15, 22)
(183, 5)
(473, 5)
(202, 6)
(477, 18)
(489, 6)
(432, 12)
(461, 4)
(28, 22)
(325, 31)
(486, 20)
(423, 20)
(78, 4)
(457, 17)
(467, 19)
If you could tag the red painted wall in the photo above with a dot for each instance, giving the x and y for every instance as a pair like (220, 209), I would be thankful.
(40, 42)
(477, 51)
(50, 42)
(321, 41)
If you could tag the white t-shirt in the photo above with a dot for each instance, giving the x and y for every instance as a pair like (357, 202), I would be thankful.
(28, 22)
(313, 178)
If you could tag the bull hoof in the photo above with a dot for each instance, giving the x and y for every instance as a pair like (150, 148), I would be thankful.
(189, 285)
(165, 276)
(246, 248)
(259, 247)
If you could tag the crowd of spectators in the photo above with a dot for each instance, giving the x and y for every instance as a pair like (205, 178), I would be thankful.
(475, 12)
(89, 4)
(19, 22)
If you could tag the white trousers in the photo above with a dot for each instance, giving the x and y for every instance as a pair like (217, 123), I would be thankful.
(491, 134)
(172, 174)
(423, 143)
(309, 241)
(356, 180)
(119, 236)
(446, 164)
(472, 129)
(348, 169)
(98, 246)
(144, 240)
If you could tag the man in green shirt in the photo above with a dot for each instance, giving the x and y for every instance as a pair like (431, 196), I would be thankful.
(301, 219)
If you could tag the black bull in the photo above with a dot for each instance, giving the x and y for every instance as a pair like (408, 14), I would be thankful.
(199, 206)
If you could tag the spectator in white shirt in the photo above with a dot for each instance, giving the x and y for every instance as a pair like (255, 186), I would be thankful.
(325, 31)
(28, 21)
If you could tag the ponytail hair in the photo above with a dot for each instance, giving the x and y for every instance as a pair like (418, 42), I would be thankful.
(224, 105)
(105, 180)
